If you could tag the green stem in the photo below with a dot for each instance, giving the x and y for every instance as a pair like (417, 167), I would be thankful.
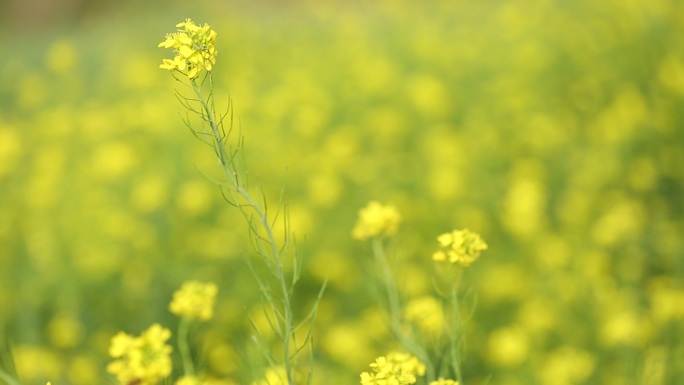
(395, 310)
(390, 286)
(454, 340)
(184, 347)
(8, 379)
(231, 172)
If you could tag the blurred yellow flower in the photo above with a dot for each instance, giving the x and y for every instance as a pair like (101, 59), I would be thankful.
(273, 376)
(376, 220)
(144, 360)
(83, 369)
(50, 363)
(10, 149)
(188, 380)
(426, 314)
(194, 300)
(459, 246)
(566, 366)
(65, 331)
(508, 346)
(194, 48)
(442, 381)
(393, 369)
(61, 57)
(347, 343)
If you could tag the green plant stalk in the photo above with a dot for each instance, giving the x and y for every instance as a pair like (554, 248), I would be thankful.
(230, 172)
(454, 341)
(184, 347)
(395, 310)
(390, 286)
(9, 380)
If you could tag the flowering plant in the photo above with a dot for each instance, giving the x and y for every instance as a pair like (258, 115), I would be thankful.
(194, 49)
(430, 329)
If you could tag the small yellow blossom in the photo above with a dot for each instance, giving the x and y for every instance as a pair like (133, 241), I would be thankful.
(143, 360)
(393, 369)
(194, 48)
(376, 220)
(459, 246)
(194, 300)
(442, 381)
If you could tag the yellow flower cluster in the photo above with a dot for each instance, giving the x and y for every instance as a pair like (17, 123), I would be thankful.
(376, 220)
(442, 381)
(194, 48)
(143, 360)
(194, 300)
(459, 246)
(393, 369)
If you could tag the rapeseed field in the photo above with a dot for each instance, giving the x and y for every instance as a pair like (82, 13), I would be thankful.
(390, 192)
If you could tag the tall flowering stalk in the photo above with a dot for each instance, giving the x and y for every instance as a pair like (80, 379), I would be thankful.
(425, 322)
(376, 223)
(458, 249)
(193, 302)
(195, 56)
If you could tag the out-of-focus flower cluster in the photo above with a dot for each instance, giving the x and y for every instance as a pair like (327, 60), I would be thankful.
(194, 300)
(393, 369)
(194, 46)
(426, 315)
(143, 360)
(459, 246)
(376, 220)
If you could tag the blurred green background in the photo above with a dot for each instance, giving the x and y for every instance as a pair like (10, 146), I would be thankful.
(553, 128)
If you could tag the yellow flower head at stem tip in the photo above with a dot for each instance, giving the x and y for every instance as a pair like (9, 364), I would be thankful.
(376, 220)
(393, 369)
(144, 360)
(194, 300)
(459, 246)
(194, 49)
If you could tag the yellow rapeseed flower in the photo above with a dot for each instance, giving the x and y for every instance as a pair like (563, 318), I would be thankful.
(393, 369)
(194, 49)
(459, 246)
(376, 220)
(143, 360)
(194, 300)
